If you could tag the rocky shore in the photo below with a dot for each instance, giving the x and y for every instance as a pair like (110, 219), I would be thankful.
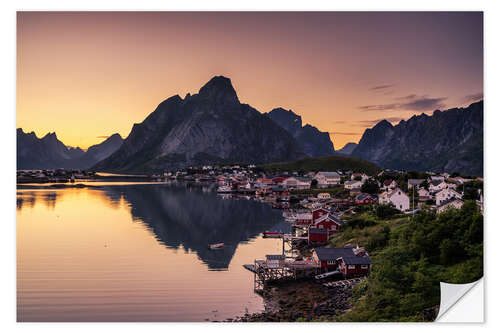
(300, 301)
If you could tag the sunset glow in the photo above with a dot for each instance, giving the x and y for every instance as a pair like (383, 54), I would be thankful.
(85, 75)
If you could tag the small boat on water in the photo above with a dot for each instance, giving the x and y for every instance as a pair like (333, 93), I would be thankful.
(216, 246)
(272, 234)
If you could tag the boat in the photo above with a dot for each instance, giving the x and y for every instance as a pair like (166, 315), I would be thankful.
(272, 234)
(216, 246)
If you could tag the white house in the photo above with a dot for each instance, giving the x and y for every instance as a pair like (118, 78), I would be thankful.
(423, 194)
(327, 179)
(353, 184)
(446, 194)
(396, 197)
(437, 185)
(450, 203)
(389, 184)
(299, 183)
(361, 175)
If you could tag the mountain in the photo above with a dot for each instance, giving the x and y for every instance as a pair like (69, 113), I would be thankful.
(209, 127)
(312, 141)
(50, 153)
(347, 149)
(331, 163)
(450, 141)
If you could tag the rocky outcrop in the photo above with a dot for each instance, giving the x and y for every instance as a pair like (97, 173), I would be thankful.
(210, 127)
(311, 140)
(347, 149)
(450, 141)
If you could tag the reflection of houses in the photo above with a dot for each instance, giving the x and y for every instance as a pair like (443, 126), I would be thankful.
(344, 260)
(327, 179)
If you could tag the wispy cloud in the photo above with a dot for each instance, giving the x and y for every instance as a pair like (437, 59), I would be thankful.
(473, 98)
(383, 86)
(103, 136)
(409, 103)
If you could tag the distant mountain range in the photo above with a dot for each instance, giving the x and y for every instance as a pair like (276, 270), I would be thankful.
(347, 149)
(312, 141)
(450, 140)
(50, 153)
(210, 127)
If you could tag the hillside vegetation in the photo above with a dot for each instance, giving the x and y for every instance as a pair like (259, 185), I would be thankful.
(325, 163)
(410, 257)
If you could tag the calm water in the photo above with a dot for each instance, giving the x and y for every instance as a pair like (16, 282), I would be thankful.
(138, 253)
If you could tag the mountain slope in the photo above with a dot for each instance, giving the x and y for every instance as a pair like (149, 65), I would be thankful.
(312, 141)
(449, 141)
(323, 163)
(205, 128)
(50, 153)
(347, 149)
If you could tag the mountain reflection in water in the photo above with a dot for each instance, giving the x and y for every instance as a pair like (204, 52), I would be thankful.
(187, 216)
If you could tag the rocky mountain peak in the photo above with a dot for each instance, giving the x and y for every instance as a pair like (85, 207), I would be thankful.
(219, 90)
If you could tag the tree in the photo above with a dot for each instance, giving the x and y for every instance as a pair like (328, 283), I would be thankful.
(370, 186)
(314, 183)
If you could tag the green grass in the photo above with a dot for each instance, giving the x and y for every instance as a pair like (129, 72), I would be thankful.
(325, 163)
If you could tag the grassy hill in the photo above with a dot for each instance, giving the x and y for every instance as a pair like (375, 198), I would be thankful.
(325, 163)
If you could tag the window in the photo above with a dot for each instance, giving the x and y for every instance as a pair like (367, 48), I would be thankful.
(351, 267)
(330, 262)
(364, 266)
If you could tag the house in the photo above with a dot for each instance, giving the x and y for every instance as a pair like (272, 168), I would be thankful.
(396, 197)
(389, 184)
(299, 183)
(326, 179)
(437, 185)
(446, 194)
(324, 196)
(437, 178)
(275, 260)
(448, 204)
(317, 235)
(344, 260)
(423, 194)
(278, 180)
(415, 182)
(353, 184)
(318, 213)
(361, 176)
(330, 222)
(366, 199)
(304, 219)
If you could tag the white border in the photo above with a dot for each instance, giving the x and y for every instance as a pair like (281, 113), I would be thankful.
(8, 90)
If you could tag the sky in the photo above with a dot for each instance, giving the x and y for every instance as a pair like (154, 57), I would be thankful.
(87, 75)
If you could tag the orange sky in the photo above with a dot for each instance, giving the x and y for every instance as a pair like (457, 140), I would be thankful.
(86, 75)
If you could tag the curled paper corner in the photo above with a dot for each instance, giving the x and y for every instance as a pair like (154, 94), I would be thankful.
(461, 302)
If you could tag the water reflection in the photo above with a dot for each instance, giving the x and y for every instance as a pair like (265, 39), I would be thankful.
(194, 218)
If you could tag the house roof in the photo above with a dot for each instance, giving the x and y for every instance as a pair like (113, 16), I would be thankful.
(325, 253)
(448, 201)
(415, 181)
(329, 174)
(334, 218)
(318, 231)
(436, 182)
(351, 182)
(388, 182)
(275, 257)
(355, 260)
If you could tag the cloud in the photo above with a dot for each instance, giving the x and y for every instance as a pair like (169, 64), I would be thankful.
(473, 98)
(409, 103)
(381, 87)
(103, 137)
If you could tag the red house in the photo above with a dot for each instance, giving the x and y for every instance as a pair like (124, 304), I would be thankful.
(366, 199)
(343, 260)
(319, 213)
(317, 235)
(330, 223)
